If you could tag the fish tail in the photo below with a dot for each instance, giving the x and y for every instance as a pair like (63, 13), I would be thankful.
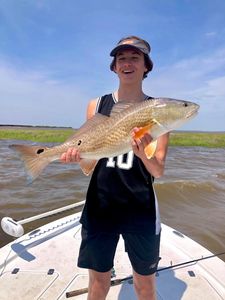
(33, 158)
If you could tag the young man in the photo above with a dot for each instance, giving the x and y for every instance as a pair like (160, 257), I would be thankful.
(121, 198)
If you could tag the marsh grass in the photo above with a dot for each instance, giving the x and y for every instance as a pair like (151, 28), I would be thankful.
(37, 135)
(177, 138)
(202, 139)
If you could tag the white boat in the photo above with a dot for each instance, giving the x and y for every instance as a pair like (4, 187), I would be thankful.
(42, 265)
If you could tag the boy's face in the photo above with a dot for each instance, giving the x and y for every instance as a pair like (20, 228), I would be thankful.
(130, 65)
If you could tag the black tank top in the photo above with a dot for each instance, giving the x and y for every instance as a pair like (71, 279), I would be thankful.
(120, 196)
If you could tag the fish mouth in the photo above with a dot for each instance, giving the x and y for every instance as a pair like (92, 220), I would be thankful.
(193, 112)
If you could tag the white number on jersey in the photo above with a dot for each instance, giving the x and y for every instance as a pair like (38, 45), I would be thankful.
(125, 165)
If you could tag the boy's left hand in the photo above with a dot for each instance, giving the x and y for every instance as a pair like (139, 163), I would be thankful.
(139, 144)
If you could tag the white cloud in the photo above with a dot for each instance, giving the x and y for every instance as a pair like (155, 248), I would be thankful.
(34, 97)
(199, 79)
(211, 34)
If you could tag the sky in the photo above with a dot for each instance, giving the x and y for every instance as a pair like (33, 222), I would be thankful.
(54, 56)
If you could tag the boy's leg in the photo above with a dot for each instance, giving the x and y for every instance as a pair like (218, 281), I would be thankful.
(145, 286)
(99, 284)
(143, 252)
(96, 254)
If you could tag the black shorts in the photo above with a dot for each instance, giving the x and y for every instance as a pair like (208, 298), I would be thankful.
(97, 251)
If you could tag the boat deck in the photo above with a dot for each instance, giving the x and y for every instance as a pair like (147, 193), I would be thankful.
(42, 265)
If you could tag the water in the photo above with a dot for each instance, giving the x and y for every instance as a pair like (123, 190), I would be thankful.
(191, 193)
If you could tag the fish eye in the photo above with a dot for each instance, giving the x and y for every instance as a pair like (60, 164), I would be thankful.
(39, 151)
(79, 142)
(185, 104)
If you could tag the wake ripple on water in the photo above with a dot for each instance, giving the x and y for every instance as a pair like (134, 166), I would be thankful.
(191, 194)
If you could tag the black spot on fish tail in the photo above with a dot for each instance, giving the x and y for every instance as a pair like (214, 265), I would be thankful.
(39, 151)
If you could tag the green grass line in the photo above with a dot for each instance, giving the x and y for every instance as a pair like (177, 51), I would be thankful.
(203, 139)
(37, 135)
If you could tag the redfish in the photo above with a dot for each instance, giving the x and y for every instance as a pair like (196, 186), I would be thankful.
(109, 136)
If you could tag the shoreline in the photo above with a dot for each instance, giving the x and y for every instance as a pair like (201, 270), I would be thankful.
(9, 126)
(43, 127)
(54, 134)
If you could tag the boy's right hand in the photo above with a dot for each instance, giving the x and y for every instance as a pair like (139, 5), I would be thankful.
(71, 155)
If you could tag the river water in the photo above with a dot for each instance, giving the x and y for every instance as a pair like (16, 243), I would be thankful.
(191, 194)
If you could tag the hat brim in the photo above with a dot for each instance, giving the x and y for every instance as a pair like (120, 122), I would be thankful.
(124, 47)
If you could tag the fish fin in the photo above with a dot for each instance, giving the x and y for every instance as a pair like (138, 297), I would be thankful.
(150, 149)
(87, 165)
(32, 158)
(159, 124)
(89, 125)
(140, 133)
(120, 106)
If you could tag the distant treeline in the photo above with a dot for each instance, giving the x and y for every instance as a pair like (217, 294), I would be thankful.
(32, 126)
